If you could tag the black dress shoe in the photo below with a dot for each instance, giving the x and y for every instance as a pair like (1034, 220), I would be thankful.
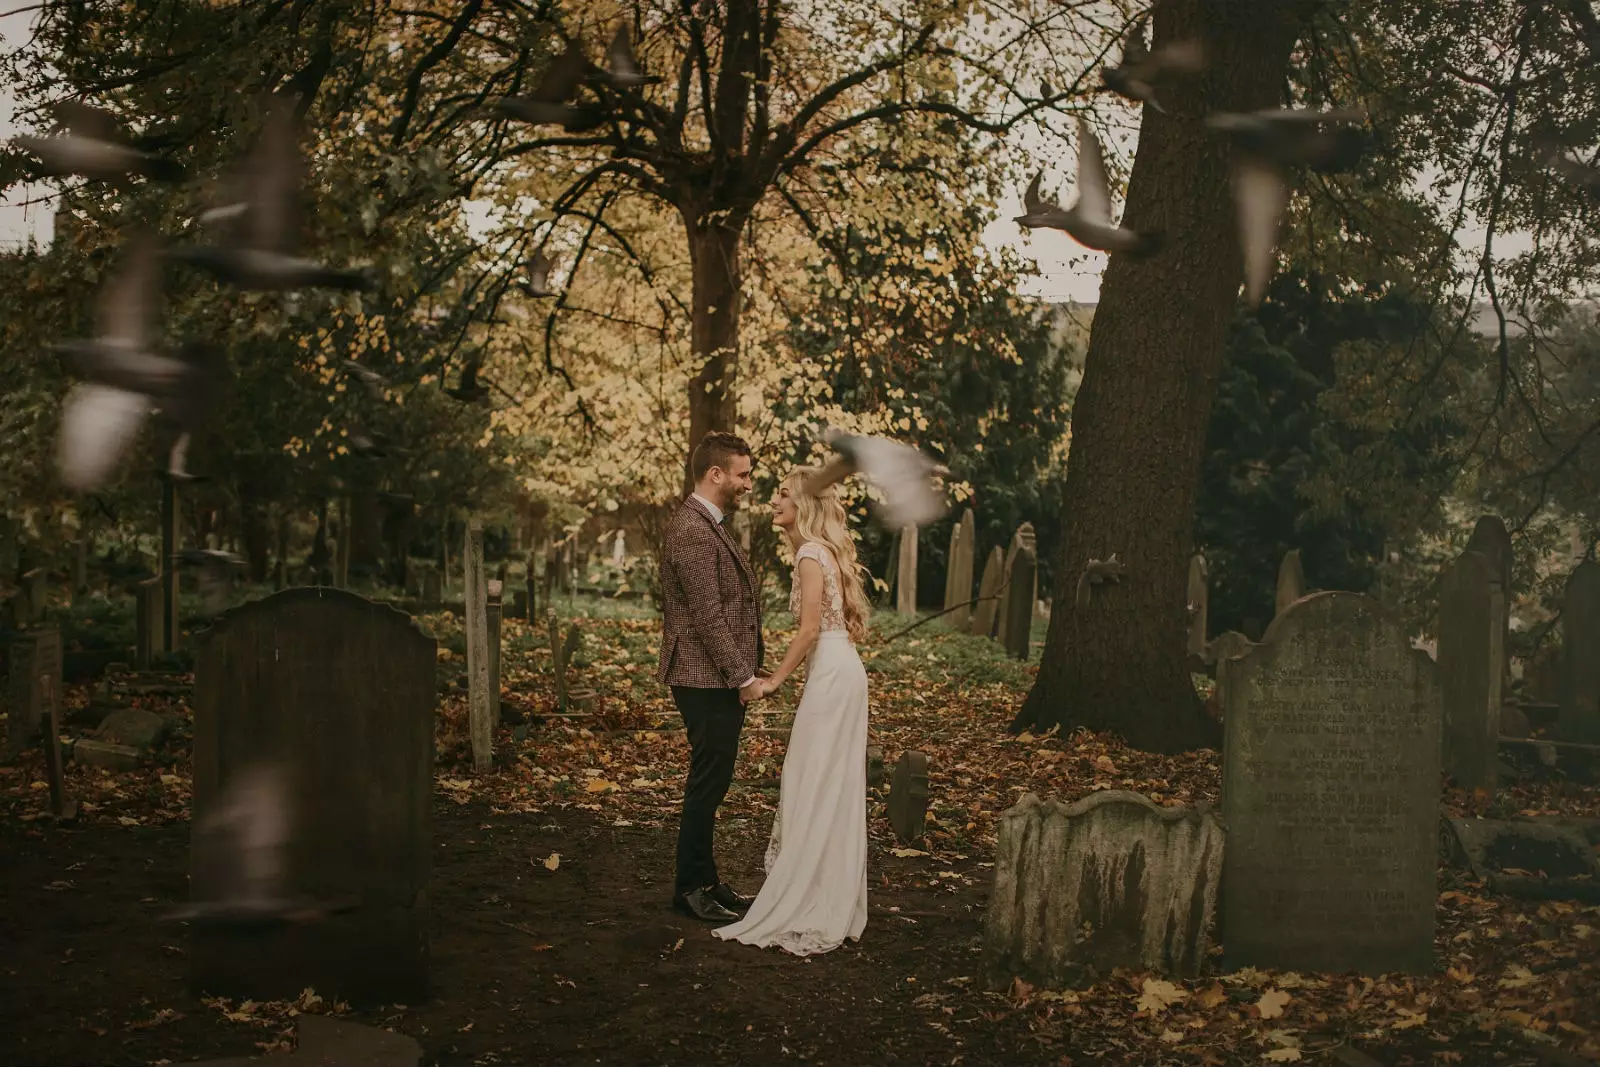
(724, 894)
(702, 905)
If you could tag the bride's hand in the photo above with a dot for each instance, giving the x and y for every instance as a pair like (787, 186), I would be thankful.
(768, 686)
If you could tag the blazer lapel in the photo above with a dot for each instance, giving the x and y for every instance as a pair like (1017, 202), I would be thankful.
(727, 539)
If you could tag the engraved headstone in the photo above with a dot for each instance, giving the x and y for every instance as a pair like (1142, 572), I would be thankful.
(479, 708)
(33, 691)
(1291, 581)
(1023, 538)
(1331, 794)
(341, 692)
(1198, 596)
(1472, 631)
(1580, 656)
(1110, 880)
(908, 797)
(906, 581)
(1019, 603)
(988, 606)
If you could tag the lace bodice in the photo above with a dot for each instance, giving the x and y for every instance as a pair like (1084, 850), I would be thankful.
(832, 591)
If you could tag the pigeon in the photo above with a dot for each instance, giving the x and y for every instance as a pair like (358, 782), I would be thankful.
(1088, 221)
(469, 390)
(538, 283)
(256, 254)
(94, 146)
(241, 856)
(903, 475)
(370, 379)
(548, 105)
(622, 66)
(373, 445)
(1135, 76)
(1267, 144)
(1556, 156)
(216, 567)
(126, 379)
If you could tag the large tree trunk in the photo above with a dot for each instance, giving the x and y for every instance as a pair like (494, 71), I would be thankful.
(1139, 421)
(714, 258)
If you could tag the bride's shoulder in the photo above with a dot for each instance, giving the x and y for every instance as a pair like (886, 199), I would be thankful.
(813, 550)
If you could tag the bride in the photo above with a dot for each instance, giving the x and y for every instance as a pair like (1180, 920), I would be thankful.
(815, 895)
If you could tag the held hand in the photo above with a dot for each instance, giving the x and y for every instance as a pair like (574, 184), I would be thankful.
(752, 692)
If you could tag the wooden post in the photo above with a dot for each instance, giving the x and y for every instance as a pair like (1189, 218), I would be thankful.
(493, 611)
(906, 581)
(477, 626)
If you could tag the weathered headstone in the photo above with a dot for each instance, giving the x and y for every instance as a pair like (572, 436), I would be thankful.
(1472, 631)
(148, 614)
(908, 797)
(875, 768)
(1331, 793)
(341, 692)
(1110, 880)
(1580, 655)
(1291, 581)
(1198, 598)
(962, 568)
(494, 609)
(479, 709)
(906, 581)
(432, 588)
(34, 686)
(988, 607)
(1019, 603)
(61, 806)
(1222, 651)
(1023, 538)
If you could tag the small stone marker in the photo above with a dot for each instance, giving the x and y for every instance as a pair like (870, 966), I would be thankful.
(33, 687)
(341, 691)
(1110, 880)
(908, 797)
(1198, 597)
(988, 607)
(1023, 538)
(1580, 656)
(1291, 580)
(875, 768)
(1490, 537)
(61, 806)
(1019, 603)
(106, 754)
(432, 588)
(1226, 648)
(477, 626)
(148, 620)
(958, 576)
(1331, 794)
(493, 611)
(906, 580)
(1472, 631)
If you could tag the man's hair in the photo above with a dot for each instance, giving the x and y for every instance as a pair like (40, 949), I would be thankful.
(715, 449)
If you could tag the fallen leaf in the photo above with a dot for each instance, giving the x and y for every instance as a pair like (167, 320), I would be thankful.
(552, 861)
(1158, 994)
(904, 853)
(1172, 1037)
(600, 785)
(1282, 1055)
(1211, 996)
(1271, 1003)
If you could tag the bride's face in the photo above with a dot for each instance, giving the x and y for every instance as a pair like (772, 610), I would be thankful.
(783, 509)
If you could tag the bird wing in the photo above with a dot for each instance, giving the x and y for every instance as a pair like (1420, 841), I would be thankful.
(837, 470)
(905, 478)
(1134, 50)
(130, 298)
(1031, 201)
(1094, 196)
(619, 57)
(1179, 57)
(274, 176)
(97, 424)
(539, 271)
(85, 120)
(1261, 194)
(563, 76)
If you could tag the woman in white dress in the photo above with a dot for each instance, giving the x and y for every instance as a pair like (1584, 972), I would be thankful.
(815, 895)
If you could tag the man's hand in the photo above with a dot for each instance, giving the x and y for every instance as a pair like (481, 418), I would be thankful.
(752, 692)
(763, 673)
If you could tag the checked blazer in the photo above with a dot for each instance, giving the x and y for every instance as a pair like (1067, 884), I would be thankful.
(711, 617)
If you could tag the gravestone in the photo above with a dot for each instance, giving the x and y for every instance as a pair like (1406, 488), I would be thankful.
(1331, 793)
(988, 606)
(892, 571)
(341, 692)
(1023, 538)
(494, 609)
(1198, 597)
(61, 806)
(906, 581)
(1019, 603)
(1471, 658)
(875, 768)
(1110, 880)
(432, 588)
(1222, 651)
(958, 572)
(1580, 656)
(33, 690)
(908, 797)
(1291, 581)
(477, 626)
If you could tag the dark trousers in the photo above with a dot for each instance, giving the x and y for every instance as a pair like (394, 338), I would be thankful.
(713, 719)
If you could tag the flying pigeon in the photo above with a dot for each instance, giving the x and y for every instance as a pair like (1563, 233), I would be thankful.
(373, 445)
(538, 283)
(216, 566)
(469, 390)
(126, 380)
(370, 379)
(1088, 221)
(256, 254)
(1556, 156)
(622, 66)
(1267, 145)
(903, 475)
(548, 104)
(1135, 76)
(94, 146)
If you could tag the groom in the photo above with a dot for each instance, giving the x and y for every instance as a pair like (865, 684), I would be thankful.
(711, 653)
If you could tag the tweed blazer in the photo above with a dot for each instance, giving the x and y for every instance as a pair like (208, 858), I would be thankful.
(711, 617)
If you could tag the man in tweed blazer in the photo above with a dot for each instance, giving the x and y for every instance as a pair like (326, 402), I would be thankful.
(711, 656)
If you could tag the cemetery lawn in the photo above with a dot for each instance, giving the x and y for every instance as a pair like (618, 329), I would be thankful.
(553, 941)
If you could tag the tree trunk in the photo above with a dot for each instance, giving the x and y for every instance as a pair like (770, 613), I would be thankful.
(1139, 421)
(714, 258)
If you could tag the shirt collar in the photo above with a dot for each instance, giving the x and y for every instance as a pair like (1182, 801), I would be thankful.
(716, 512)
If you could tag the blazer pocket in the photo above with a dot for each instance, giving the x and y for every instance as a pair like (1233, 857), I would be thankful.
(669, 656)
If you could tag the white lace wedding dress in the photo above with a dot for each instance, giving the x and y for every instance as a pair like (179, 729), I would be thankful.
(815, 895)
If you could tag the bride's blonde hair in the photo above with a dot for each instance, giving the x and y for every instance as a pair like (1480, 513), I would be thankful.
(821, 518)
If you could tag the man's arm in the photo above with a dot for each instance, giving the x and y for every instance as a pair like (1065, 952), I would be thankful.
(695, 563)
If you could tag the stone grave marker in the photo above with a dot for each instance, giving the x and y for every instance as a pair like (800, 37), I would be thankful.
(1490, 537)
(1222, 651)
(61, 806)
(1291, 580)
(494, 609)
(1023, 538)
(34, 686)
(1019, 603)
(988, 606)
(1472, 631)
(149, 615)
(1110, 880)
(908, 797)
(1331, 794)
(432, 588)
(477, 626)
(1580, 656)
(906, 580)
(341, 692)
(958, 572)
(875, 768)
(1198, 601)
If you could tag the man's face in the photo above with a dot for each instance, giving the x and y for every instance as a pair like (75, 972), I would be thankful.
(733, 481)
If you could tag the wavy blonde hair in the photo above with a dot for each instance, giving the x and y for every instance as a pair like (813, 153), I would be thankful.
(821, 518)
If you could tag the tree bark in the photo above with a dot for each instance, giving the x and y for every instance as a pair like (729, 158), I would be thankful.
(714, 260)
(1139, 422)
